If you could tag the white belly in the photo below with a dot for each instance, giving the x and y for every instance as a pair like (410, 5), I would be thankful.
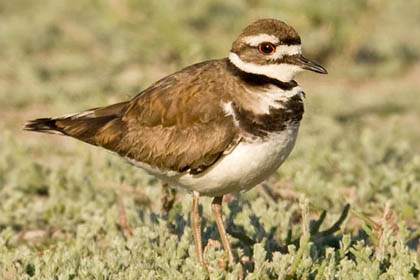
(244, 167)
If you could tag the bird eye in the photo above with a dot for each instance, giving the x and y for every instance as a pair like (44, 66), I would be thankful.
(266, 48)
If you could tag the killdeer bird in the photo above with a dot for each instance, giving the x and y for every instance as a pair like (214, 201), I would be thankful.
(213, 128)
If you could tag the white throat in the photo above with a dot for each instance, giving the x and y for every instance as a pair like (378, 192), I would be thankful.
(282, 72)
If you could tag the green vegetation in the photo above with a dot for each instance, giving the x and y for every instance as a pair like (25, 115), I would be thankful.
(61, 200)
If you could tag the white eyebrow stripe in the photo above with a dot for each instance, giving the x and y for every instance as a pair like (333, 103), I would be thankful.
(255, 40)
(283, 50)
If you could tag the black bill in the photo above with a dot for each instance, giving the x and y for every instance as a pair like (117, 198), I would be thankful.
(310, 65)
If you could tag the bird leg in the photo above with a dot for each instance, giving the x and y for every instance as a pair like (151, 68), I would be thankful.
(216, 206)
(168, 197)
(196, 229)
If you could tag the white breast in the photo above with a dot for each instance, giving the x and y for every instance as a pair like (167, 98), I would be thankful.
(246, 166)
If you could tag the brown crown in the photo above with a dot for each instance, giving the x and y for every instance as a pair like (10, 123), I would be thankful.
(285, 33)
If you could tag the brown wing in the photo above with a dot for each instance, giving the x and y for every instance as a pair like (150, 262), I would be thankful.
(177, 124)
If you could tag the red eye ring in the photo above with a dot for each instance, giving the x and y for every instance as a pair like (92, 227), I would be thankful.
(266, 48)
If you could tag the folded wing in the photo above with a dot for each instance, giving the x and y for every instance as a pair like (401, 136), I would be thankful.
(177, 124)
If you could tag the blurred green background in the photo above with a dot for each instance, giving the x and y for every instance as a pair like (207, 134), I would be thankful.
(359, 141)
(55, 51)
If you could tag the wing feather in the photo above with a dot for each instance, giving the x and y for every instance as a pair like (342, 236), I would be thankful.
(176, 124)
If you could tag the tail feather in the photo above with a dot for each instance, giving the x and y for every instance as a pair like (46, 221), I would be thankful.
(45, 125)
(91, 126)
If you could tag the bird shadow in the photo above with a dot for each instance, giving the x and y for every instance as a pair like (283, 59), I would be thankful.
(272, 242)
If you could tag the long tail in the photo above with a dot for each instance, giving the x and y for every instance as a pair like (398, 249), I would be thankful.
(45, 125)
(99, 126)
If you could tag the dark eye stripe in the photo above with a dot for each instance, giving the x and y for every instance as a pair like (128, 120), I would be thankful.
(291, 41)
